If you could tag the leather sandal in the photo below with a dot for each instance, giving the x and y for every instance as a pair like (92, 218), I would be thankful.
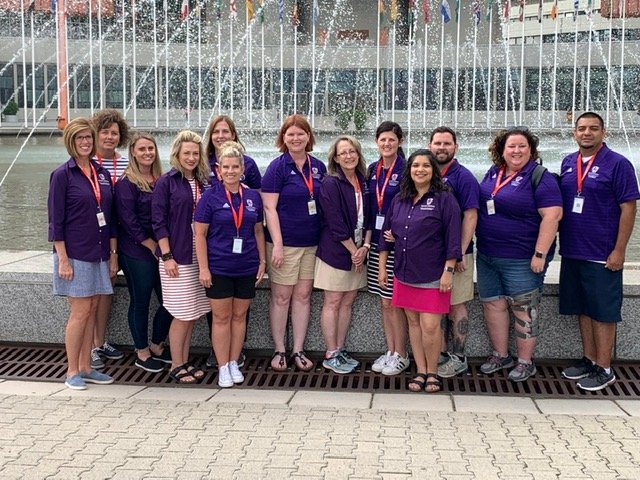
(195, 372)
(433, 384)
(281, 364)
(302, 362)
(417, 383)
(181, 375)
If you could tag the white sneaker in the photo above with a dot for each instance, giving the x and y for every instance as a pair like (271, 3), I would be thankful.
(397, 364)
(236, 374)
(381, 362)
(224, 377)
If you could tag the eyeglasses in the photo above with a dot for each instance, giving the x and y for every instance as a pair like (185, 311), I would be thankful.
(84, 138)
(348, 153)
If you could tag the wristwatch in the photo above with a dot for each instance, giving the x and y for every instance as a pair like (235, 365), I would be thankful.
(539, 254)
(167, 256)
(449, 269)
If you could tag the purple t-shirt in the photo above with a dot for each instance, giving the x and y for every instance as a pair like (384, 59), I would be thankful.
(465, 188)
(427, 235)
(72, 210)
(393, 187)
(134, 219)
(297, 226)
(512, 231)
(251, 176)
(214, 210)
(611, 181)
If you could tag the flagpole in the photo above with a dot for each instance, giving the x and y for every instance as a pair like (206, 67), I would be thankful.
(63, 67)
(489, 92)
(313, 64)
(281, 71)
(134, 72)
(24, 63)
(409, 81)
(575, 69)
(219, 65)
(555, 69)
(441, 79)
(262, 76)
(456, 99)
(393, 73)
(610, 85)
(378, 67)
(424, 69)
(124, 61)
(540, 71)
(621, 100)
(295, 67)
(155, 62)
(188, 68)
(522, 71)
(475, 66)
(231, 80)
(507, 73)
(250, 74)
(588, 103)
(101, 72)
(33, 72)
(166, 61)
(199, 7)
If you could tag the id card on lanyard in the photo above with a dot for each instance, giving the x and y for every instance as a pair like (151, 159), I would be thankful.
(311, 204)
(578, 200)
(491, 205)
(380, 192)
(95, 186)
(237, 220)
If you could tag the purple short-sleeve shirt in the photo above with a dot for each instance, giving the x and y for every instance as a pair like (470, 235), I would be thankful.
(465, 188)
(251, 176)
(393, 187)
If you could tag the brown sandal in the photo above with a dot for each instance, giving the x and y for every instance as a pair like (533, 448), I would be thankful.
(281, 365)
(302, 362)
(417, 383)
(432, 386)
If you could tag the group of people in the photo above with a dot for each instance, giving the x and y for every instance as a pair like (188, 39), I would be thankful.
(203, 235)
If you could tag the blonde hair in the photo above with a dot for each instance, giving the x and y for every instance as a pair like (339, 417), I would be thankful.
(333, 164)
(202, 171)
(132, 172)
(232, 150)
(73, 128)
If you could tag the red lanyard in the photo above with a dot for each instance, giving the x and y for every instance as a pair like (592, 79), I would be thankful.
(93, 180)
(196, 198)
(380, 193)
(237, 216)
(581, 176)
(444, 171)
(499, 184)
(308, 181)
(114, 163)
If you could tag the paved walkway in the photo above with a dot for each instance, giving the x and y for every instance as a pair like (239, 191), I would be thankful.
(126, 432)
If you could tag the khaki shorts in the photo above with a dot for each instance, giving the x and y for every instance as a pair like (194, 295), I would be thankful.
(462, 290)
(299, 264)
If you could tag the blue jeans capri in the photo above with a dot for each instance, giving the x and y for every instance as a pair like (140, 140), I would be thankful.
(506, 277)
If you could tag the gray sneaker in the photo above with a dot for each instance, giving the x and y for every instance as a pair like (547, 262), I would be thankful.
(348, 358)
(338, 364)
(522, 371)
(581, 369)
(597, 380)
(453, 366)
(495, 363)
(96, 362)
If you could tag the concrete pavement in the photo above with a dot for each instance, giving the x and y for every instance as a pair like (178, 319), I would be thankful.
(127, 432)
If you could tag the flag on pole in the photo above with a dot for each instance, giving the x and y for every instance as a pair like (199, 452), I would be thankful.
(316, 12)
(295, 16)
(589, 8)
(54, 6)
(233, 9)
(576, 5)
(261, 11)
(198, 10)
(490, 5)
(539, 11)
(281, 11)
(476, 11)
(218, 9)
(184, 10)
(521, 11)
(393, 11)
(410, 11)
(507, 9)
(554, 10)
(445, 11)
(457, 11)
(249, 10)
(425, 9)
(32, 6)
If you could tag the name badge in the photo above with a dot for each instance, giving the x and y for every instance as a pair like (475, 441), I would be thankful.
(237, 245)
(578, 203)
(357, 236)
(311, 204)
(102, 221)
(379, 221)
(491, 207)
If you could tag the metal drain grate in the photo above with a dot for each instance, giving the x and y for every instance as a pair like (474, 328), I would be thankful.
(48, 363)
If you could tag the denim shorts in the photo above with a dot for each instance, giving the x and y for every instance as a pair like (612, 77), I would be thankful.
(506, 277)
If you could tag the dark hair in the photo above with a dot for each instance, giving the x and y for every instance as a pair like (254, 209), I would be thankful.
(295, 121)
(443, 129)
(105, 118)
(388, 126)
(590, 115)
(209, 149)
(408, 187)
(496, 149)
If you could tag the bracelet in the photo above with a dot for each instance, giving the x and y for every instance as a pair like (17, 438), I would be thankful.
(113, 252)
(167, 256)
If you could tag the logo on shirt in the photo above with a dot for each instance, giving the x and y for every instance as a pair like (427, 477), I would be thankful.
(428, 206)
(102, 180)
(242, 177)
(226, 205)
(593, 173)
(568, 170)
(373, 177)
(393, 181)
(516, 181)
(292, 172)
(494, 175)
(250, 205)
(314, 172)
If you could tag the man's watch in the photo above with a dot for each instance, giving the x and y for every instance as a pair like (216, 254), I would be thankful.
(167, 256)
(539, 254)
(449, 269)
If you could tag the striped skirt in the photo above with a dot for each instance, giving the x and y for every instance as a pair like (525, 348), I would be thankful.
(184, 297)
(373, 267)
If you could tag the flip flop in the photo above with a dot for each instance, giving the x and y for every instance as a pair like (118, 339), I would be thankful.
(281, 366)
(433, 386)
(302, 362)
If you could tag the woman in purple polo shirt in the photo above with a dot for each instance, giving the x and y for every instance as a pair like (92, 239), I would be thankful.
(173, 204)
(137, 246)
(517, 225)
(289, 192)
(383, 180)
(231, 256)
(423, 221)
(342, 251)
(222, 129)
(82, 229)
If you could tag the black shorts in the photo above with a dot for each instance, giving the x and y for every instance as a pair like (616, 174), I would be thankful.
(587, 288)
(232, 287)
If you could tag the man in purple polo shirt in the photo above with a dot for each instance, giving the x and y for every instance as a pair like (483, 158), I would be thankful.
(599, 192)
(444, 145)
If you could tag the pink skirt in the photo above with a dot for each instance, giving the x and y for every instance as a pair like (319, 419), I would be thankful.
(425, 300)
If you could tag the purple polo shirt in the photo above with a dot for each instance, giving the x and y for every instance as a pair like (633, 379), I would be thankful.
(337, 199)
(214, 210)
(611, 181)
(134, 220)
(251, 176)
(427, 235)
(465, 188)
(513, 231)
(172, 214)
(393, 187)
(72, 210)
(298, 228)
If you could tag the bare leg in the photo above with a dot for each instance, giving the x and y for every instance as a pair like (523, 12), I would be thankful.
(604, 335)
(459, 321)
(221, 328)
(431, 338)
(496, 316)
(344, 316)
(395, 328)
(300, 311)
(588, 339)
(74, 338)
(329, 319)
(415, 337)
(279, 312)
(238, 326)
(102, 318)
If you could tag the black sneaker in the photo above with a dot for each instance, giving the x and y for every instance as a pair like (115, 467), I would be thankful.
(211, 361)
(150, 365)
(581, 369)
(109, 352)
(597, 380)
(164, 357)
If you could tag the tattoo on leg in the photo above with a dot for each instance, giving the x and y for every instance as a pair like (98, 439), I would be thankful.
(459, 340)
(463, 326)
(446, 332)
